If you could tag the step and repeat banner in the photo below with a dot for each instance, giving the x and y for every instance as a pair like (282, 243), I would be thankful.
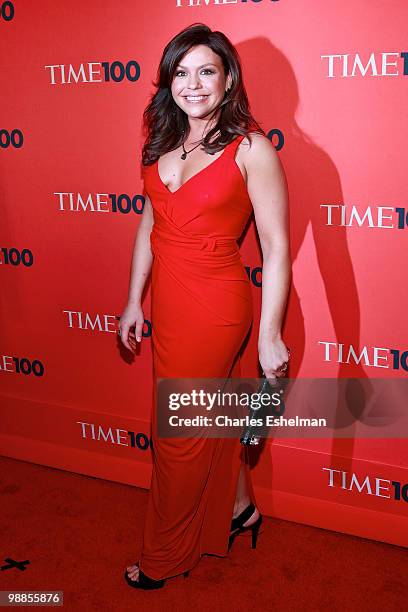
(328, 84)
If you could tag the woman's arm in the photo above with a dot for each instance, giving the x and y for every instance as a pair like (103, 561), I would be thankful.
(140, 269)
(142, 255)
(267, 188)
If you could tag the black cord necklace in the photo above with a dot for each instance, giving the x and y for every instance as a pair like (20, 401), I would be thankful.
(185, 153)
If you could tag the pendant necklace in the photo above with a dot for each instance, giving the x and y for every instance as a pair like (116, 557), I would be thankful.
(185, 153)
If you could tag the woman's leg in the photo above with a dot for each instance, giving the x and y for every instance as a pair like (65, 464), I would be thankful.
(243, 498)
(245, 493)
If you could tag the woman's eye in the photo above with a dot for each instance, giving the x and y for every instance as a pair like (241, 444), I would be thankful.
(205, 70)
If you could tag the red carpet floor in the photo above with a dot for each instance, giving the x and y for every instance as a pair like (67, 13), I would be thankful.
(79, 533)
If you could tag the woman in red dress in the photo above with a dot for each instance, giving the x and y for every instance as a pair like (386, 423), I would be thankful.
(196, 208)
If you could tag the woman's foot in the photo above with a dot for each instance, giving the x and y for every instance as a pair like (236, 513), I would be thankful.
(251, 520)
(248, 519)
(133, 572)
(137, 579)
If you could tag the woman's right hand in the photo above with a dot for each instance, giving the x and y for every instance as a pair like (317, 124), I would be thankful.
(132, 316)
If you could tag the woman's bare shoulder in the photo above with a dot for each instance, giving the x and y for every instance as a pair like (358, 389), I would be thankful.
(257, 148)
(257, 141)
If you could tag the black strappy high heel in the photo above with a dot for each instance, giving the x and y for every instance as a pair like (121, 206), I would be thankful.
(237, 525)
(144, 582)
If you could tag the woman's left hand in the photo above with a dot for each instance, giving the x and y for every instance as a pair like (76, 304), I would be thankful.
(273, 356)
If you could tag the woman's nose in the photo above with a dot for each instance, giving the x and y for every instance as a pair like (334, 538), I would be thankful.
(194, 82)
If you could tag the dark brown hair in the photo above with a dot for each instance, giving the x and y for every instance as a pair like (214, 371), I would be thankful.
(164, 121)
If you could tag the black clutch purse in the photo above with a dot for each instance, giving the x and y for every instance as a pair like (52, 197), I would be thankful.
(253, 433)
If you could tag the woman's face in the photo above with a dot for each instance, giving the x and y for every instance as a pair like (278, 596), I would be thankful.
(199, 81)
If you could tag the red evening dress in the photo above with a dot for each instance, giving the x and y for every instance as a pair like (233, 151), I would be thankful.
(201, 312)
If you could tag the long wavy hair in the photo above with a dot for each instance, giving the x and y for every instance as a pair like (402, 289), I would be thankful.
(166, 124)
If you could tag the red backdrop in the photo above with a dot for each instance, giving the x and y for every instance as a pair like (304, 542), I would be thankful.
(326, 82)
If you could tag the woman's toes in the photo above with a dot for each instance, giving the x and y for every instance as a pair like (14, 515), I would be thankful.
(134, 574)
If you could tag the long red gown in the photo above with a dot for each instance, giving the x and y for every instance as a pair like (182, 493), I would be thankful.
(201, 312)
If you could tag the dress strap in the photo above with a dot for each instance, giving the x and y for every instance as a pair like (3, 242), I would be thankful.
(232, 146)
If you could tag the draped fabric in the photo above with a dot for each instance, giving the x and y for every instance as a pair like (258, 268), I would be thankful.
(201, 312)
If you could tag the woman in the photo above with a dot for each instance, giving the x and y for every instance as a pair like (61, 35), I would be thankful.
(195, 211)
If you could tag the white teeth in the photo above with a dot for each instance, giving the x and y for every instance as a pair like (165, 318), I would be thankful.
(195, 98)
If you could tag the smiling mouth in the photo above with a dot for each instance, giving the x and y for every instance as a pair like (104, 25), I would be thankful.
(195, 99)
